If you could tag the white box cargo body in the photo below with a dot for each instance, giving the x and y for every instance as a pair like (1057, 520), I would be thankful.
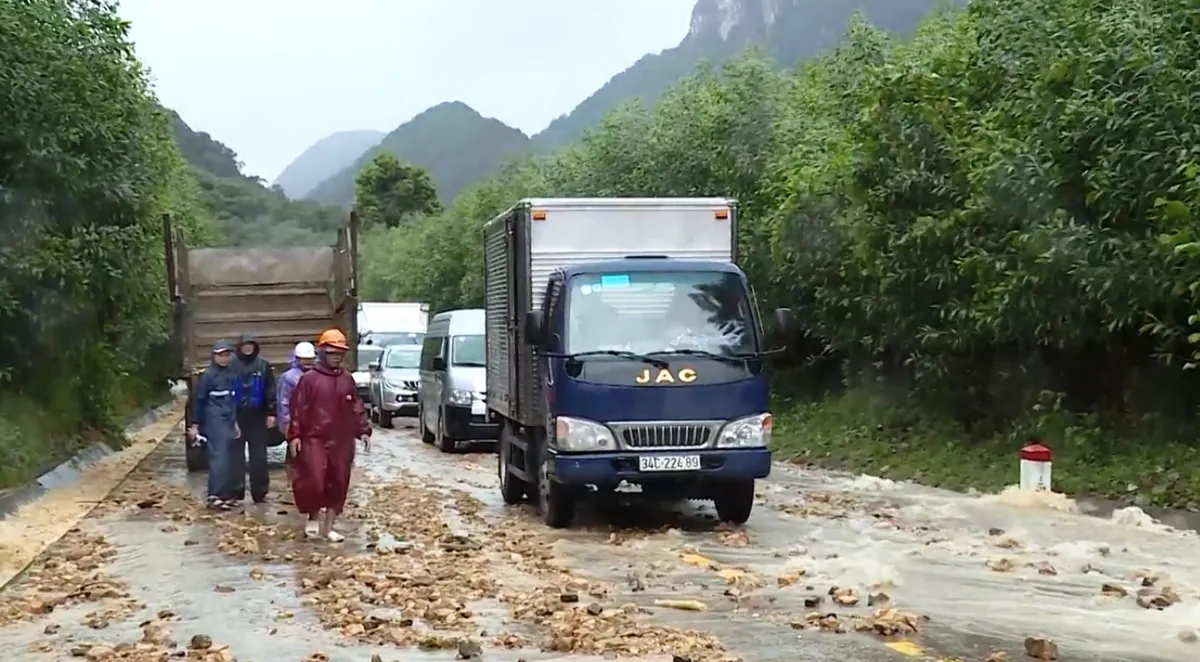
(386, 317)
(537, 236)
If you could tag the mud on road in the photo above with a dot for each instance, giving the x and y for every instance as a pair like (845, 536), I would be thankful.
(830, 567)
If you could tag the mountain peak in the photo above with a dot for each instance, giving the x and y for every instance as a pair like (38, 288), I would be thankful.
(323, 159)
(720, 17)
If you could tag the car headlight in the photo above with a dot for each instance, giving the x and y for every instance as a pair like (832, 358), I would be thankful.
(460, 397)
(749, 432)
(576, 434)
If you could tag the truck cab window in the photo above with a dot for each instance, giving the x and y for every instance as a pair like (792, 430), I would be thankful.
(649, 312)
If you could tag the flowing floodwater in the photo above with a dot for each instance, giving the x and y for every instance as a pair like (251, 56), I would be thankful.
(985, 571)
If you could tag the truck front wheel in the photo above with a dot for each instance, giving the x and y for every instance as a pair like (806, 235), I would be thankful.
(734, 501)
(557, 501)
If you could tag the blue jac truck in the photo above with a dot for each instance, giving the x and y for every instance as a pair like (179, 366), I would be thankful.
(624, 348)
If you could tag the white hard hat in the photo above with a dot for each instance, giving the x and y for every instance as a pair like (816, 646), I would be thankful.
(305, 350)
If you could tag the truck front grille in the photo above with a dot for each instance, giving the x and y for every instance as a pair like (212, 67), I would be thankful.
(411, 385)
(664, 435)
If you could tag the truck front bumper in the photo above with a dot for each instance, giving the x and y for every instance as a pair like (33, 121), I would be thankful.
(608, 468)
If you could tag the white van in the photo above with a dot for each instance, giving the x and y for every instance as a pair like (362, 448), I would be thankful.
(451, 405)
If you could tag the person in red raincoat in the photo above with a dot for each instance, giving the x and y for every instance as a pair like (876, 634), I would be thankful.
(327, 418)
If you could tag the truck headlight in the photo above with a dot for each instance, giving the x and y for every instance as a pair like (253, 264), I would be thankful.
(576, 434)
(749, 432)
(394, 384)
(461, 397)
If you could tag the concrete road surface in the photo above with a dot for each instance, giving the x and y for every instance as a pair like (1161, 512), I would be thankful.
(830, 567)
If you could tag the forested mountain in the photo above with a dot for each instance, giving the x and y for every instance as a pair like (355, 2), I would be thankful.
(324, 159)
(454, 144)
(246, 211)
(788, 30)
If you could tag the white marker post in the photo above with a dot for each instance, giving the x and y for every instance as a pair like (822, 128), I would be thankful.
(1035, 467)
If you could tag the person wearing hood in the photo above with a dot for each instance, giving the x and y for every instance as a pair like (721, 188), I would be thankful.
(302, 361)
(327, 417)
(213, 420)
(256, 416)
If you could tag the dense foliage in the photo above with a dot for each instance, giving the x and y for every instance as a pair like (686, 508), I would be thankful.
(789, 32)
(87, 169)
(387, 191)
(982, 217)
(246, 211)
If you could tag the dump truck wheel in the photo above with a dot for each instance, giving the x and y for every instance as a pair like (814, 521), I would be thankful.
(197, 459)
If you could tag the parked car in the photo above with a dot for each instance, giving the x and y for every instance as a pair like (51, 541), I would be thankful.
(368, 355)
(452, 404)
(395, 377)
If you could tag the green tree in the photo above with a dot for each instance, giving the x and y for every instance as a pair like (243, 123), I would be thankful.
(88, 168)
(386, 191)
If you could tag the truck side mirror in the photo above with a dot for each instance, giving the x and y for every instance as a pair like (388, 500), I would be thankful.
(374, 366)
(534, 329)
(439, 363)
(784, 321)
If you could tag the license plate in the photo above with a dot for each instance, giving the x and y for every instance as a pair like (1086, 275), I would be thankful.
(668, 462)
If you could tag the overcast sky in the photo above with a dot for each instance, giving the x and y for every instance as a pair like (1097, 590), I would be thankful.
(270, 77)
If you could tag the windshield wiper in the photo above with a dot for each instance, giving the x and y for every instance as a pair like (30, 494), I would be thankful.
(634, 356)
(728, 358)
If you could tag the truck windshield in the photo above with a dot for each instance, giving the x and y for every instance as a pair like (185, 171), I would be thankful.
(468, 351)
(660, 311)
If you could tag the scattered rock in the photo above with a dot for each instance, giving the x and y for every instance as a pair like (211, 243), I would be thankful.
(1113, 590)
(999, 564)
(843, 596)
(1041, 649)
(469, 649)
(685, 605)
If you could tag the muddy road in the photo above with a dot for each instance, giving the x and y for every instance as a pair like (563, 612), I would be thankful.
(830, 567)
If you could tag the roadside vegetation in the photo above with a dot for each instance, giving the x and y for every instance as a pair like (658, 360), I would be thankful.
(87, 169)
(987, 230)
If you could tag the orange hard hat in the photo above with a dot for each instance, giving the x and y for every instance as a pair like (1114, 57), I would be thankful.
(333, 338)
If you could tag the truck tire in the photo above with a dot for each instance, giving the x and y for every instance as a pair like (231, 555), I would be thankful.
(385, 418)
(556, 501)
(445, 442)
(426, 435)
(512, 489)
(734, 501)
(196, 458)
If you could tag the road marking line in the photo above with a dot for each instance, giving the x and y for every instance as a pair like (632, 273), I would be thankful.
(37, 525)
(906, 648)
